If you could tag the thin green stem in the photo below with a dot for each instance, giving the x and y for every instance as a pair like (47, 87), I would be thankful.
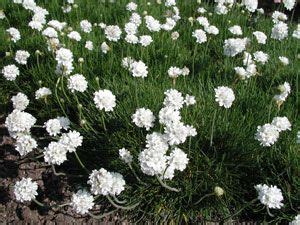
(56, 173)
(119, 206)
(134, 173)
(97, 217)
(212, 128)
(203, 197)
(165, 185)
(80, 162)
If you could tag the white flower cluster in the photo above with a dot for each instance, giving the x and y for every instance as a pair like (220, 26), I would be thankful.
(113, 33)
(224, 96)
(156, 159)
(64, 58)
(249, 69)
(251, 5)
(82, 202)
(10, 72)
(14, 34)
(25, 190)
(285, 90)
(270, 196)
(143, 118)
(296, 220)
(56, 152)
(77, 82)
(175, 72)
(42, 92)
(104, 182)
(268, 134)
(234, 46)
(137, 68)
(22, 57)
(105, 99)
(20, 101)
(125, 155)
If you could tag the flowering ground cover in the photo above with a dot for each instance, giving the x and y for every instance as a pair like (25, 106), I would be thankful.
(162, 111)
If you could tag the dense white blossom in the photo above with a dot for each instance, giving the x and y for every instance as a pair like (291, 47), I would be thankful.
(289, 4)
(279, 31)
(174, 99)
(267, 134)
(77, 82)
(55, 153)
(143, 118)
(85, 26)
(125, 155)
(260, 37)
(200, 36)
(14, 34)
(251, 5)
(20, 101)
(10, 72)
(234, 46)
(112, 33)
(104, 99)
(270, 196)
(224, 96)
(74, 35)
(282, 123)
(139, 69)
(71, 140)
(19, 121)
(145, 40)
(42, 92)
(82, 202)
(21, 57)
(261, 57)
(236, 30)
(25, 190)
(25, 144)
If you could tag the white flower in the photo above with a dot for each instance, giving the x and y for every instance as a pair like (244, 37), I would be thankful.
(145, 40)
(174, 99)
(169, 3)
(284, 60)
(55, 153)
(236, 30)
(82, 202)
(25, 144)
(10, 72)
(89, 45)
(224, 96)
(234, 46)
(21, 57)
(279, 31)
(285, 90)
(296, 220)
(203, 21)
(131, 38)
(278, 16)
(169, 115)
(53, 127)
(20, 101)
(152, 24)
(282, 123)
(201, 10)
(157, 141)
(71, 140)
(289, 4)
(267, 134)
(74, 35)
(176, 133)
(25, 190)
(189, 100)
(100, 181)
(36, 25)
(64, 56)
(19, 121)
(296, 33)
(269, 196)
(139, 69)
(14, 34)
(261, 57)
(212, 30)
(104, 99)
(112, 33)
(77, 82)
(131, 6)
(118, 183)
(174, 72)
(104, 47)
(221, 9)
(135, 18)
(200, 36)
(130, 28)
(185, 71)
(29, 4)
(125, 155)
(50, 32)
(105, 183)
(57, 25)
(86, 26)
(260, 37)
(42, 93)
(251, 5)
(143, 118)
(169, 25)
(178, 159)
(175, 35)
(64, 122)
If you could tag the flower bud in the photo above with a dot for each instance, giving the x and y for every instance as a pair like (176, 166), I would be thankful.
(81, 60)
(219, 191)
